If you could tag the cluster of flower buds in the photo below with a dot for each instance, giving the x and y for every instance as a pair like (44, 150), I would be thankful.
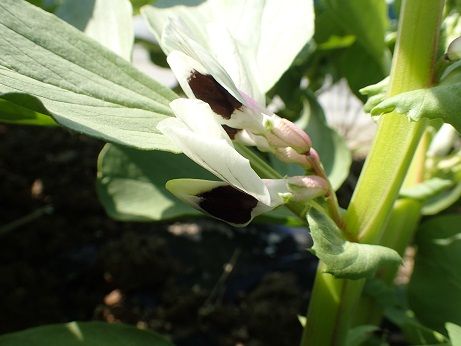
(280, 137)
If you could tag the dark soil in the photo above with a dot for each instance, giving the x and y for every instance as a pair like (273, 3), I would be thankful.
(199, 282)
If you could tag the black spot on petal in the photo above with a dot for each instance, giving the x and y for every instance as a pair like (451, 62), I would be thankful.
(207, 89)
(228, 203)
(231, 132)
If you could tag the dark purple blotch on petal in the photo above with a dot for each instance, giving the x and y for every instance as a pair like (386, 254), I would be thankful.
(231, 132)
(229, 204)
(207, 89)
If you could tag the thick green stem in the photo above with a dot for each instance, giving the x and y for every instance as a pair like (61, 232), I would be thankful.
(400, 229)
(384, 171)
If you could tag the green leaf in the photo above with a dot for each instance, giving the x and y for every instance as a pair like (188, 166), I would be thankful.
(12, 113)
(366, 19)
(441, 201)
(454, 332)
(332, 148)
(375, 94)
(413, 330)
(393, 301)
(110, 22)
(426, 189)
(359, 68)
(442, 101)
(342, 258)
(436, 194)
(436, 272)
(83, 334)
(131, 183)
(82, 85)
(336, 42)
(368, 59)
(358, 335)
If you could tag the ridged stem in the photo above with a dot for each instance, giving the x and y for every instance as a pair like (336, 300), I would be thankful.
(334, 301)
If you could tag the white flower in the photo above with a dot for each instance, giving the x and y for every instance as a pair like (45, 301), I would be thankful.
(242, 194)
(231, 63)
(197, 133)
(225, 68)
(260, 37)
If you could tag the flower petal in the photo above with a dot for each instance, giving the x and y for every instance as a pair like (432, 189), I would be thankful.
(200, 137)
(234, 61)
(257, 26)
(198, 83)
(271, 31)
(175, 36)
(233, 109)
(219, 199)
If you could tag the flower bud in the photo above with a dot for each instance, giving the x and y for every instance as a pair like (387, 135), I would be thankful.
(307, 187)
(283, 133)
(289, 155)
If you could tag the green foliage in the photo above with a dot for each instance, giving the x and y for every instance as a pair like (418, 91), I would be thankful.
(81, 84)
(131, 183)
(367, 59)
(83, 334)
(454, 332)
(365, 19)
(439, 102)
(436, 272)
(12, 113)
(392, 300)
(436, 194)
(342, 258)
(358, 335)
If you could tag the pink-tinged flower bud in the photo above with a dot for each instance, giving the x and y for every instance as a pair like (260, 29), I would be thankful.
(313, 157)
(307, 187)
(289, 155)
(454, 50)
(291, 135)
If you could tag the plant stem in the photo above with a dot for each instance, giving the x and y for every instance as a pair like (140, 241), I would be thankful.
(330, 314)
(331, 200)
(5, 229)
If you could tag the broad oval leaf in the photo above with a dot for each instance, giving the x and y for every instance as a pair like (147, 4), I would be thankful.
(436, 273)
(84, 334)
(131, 183)
(84, 86)
(342, 258)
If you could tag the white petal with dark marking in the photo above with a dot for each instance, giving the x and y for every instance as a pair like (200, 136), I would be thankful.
(198, 134)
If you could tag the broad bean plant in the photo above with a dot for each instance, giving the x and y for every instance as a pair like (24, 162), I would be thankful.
(243, 139)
